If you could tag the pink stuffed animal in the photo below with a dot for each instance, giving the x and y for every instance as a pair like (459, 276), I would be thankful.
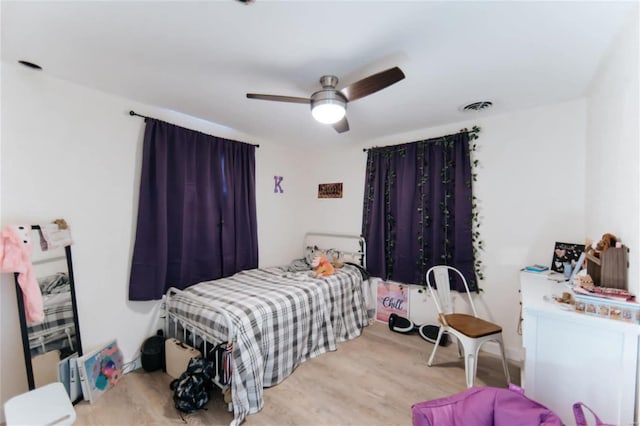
(323, 267)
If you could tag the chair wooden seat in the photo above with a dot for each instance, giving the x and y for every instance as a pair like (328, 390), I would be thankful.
(472, 326)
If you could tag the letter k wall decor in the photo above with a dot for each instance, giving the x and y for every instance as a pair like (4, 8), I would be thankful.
(277, 187)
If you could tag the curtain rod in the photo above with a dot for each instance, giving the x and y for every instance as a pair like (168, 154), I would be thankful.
(133, 113)
(474, 129)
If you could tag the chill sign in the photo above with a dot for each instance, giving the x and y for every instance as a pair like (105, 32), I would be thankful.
(391, 298)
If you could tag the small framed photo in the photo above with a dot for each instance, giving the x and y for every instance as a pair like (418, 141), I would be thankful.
(566, 253)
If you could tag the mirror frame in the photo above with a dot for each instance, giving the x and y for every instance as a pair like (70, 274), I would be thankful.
(23, 319)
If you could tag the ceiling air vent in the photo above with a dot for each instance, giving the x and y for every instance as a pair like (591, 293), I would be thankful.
(477, 106)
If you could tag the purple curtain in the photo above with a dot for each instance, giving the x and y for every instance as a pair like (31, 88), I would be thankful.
(197, 210)
(418, 209)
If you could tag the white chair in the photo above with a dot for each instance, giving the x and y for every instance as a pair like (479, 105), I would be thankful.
(470, 331)
(47, 405)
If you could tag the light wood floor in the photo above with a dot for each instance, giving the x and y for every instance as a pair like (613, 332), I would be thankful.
(371, 380)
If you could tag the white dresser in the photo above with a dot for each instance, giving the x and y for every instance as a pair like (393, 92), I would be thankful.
(571, 357)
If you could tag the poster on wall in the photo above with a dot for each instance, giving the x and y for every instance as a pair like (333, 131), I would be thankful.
(392, 298)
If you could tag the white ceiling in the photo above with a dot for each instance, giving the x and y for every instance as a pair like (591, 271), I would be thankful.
(201, 58)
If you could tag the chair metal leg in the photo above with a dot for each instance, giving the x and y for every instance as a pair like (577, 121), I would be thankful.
(504, 362)
(470, 362)
(475, 365)
(435, 347)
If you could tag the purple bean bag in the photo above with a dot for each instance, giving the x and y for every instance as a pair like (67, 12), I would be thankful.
(484, 406)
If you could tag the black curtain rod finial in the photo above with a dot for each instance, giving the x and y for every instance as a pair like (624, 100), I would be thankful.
(133, 113)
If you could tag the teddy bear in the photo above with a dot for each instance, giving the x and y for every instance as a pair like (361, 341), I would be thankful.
(596, 248)
(62, 224)
(323, 268)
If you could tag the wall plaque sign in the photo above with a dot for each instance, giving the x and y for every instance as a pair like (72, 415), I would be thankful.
(330, 190)
(392, 298)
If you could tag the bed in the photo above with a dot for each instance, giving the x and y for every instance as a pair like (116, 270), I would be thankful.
(272, 319)
(57, 330)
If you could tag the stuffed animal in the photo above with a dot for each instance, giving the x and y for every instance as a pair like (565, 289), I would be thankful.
(62, 224)
(322, 266)
(607, 241)
(337, 263)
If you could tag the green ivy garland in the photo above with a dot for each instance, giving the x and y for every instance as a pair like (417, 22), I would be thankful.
(478, 244)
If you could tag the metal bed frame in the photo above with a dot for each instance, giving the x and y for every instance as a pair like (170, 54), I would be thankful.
(180, 328)
(42, 338)
(183, 329)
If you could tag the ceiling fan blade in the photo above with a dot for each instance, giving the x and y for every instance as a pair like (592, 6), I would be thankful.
(372, 84)
(342, 125)
(291, 99)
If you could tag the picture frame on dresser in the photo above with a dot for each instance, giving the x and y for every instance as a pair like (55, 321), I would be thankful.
(565, 253)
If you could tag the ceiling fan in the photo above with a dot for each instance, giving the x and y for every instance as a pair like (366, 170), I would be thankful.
(328, 105)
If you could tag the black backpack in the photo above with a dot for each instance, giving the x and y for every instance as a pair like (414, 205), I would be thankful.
(191, 389)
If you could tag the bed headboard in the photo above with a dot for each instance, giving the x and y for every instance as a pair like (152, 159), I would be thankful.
(352, 246)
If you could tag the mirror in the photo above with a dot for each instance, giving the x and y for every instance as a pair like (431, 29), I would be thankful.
(50, 345)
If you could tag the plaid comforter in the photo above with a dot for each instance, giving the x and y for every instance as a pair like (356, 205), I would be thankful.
(58, 315)
(279, 319)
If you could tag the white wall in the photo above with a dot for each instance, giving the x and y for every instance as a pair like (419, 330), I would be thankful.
(530, 188)
(280, 228)
(613, 156)
(613, 159)
(72, 152)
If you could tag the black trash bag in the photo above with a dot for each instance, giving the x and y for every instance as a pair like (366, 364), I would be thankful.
(152, 353)
(191, 389)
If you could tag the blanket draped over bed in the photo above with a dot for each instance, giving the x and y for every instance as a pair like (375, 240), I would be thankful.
(279, 320)
(57, 329)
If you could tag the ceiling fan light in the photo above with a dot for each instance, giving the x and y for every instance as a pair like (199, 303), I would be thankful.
(328, 112)
(327, 107)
